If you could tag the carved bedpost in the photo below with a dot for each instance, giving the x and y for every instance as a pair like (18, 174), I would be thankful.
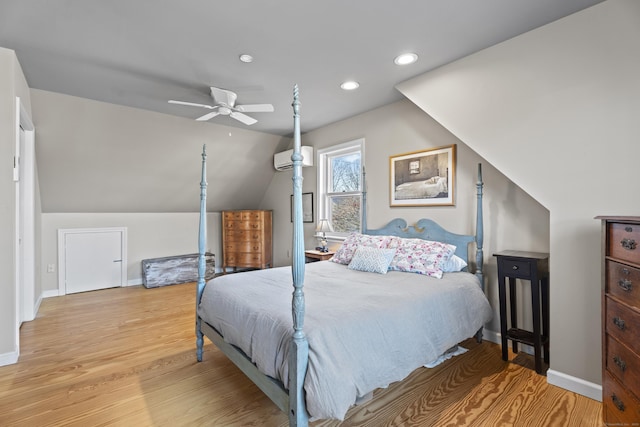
(364, 200)
(202, 245)
(299, 349)
(479, 229)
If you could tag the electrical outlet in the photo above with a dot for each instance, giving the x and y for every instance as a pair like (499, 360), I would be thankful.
(51, 268)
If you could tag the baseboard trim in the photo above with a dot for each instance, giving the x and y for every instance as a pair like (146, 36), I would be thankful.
(9, 358)
(559, 379)
(492, 336)
(574, 384)
(50, 293)
(134, 282)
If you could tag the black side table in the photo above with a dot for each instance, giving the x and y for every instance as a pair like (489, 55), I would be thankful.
(534, 267)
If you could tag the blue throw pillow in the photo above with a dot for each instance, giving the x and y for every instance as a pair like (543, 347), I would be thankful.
(372, 260)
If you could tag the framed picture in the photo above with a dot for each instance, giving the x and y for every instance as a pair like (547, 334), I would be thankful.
(307, 207)
(423, 178)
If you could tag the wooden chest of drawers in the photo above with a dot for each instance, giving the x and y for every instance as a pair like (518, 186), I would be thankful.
(246, 239)
(621, 320)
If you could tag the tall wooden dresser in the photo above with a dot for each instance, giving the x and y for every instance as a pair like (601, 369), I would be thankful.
(246, 239)
(621, 319)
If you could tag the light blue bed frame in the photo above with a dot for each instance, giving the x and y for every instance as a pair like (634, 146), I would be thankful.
(293, 402)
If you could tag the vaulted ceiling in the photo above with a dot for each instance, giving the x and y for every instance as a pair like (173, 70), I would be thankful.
(143, 53)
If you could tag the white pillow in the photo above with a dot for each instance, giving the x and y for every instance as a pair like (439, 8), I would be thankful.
(453, 264)
(372, 260)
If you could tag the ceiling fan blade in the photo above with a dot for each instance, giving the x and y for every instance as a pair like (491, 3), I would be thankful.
(243, 118)
(223, 96)
(207, 116)
(255, 108)
(191, 104)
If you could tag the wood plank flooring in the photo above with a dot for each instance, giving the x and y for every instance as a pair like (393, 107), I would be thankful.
(126, 357)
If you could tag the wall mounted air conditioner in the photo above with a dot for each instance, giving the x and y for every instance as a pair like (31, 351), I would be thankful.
(282, 161)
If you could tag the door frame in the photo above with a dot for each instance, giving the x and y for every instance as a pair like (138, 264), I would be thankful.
(24, 177)
(62, 259)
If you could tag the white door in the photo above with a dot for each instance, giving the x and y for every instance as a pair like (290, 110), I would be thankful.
(93, 259)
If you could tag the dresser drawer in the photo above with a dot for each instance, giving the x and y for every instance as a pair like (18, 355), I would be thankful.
(623, 282)
(242, 247)
(623, 364)
(243, 225)
(619, 405)
(516, 268)
(623, 323)
(623, 241)
(243, 259)
(242, 236)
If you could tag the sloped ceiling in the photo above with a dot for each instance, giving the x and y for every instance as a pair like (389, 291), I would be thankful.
(99, 157)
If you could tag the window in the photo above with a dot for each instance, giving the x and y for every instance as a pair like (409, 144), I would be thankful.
(340, 186)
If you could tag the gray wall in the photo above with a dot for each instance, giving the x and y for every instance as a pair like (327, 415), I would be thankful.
(149, 235)
(400, 128)
(12, 84)
(104, 165)
(556, 110)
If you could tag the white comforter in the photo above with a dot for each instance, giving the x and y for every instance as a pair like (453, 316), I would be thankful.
(427, 189)
(365, 330)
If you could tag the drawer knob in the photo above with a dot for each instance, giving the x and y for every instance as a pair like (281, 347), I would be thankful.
(515, 267)
(621, 364)
(619, 403)
(619, 323)
(625, 284)
(628, 244)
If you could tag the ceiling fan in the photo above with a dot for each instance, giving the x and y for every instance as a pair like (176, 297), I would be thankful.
(225, 105)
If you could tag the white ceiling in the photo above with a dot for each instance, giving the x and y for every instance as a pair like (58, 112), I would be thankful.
(142, 53)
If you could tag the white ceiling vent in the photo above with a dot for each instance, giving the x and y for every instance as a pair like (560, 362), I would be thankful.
(282, 161)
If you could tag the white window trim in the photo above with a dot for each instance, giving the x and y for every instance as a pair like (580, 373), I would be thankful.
(322, 169)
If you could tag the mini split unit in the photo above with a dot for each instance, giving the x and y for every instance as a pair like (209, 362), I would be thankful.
(282, 161)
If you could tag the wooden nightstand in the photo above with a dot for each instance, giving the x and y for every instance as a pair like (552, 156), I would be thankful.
(313, 255)
(534, 267)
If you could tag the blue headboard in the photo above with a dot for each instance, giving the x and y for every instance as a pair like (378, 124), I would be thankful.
(429, 230)
(426, 229)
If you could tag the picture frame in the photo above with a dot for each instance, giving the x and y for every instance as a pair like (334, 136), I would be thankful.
(307, 207)
(423, 178)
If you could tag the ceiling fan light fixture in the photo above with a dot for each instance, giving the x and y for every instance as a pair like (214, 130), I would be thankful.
(405, 59)
(246, 58)
(350, 85)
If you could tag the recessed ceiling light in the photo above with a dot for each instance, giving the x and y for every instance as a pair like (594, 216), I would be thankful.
(350, 85)
(406, 59)
(246, 58)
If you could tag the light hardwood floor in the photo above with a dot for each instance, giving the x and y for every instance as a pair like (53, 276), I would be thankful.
(126, 357)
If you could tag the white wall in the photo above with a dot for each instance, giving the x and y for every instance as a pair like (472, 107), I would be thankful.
(556, 110)
(149, 235)
(512, 218)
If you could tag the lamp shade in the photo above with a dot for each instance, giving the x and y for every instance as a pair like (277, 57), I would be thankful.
(324, 225)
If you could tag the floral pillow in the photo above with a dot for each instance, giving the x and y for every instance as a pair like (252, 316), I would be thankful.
(372, 260)
(420, 256)
(344, 254)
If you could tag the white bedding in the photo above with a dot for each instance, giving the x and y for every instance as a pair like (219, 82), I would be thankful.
(426, 189)
(365, 330)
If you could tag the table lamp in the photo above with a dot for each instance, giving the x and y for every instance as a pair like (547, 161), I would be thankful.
(323, 226)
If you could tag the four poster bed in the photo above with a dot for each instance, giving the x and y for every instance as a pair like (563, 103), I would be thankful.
(351, 331)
